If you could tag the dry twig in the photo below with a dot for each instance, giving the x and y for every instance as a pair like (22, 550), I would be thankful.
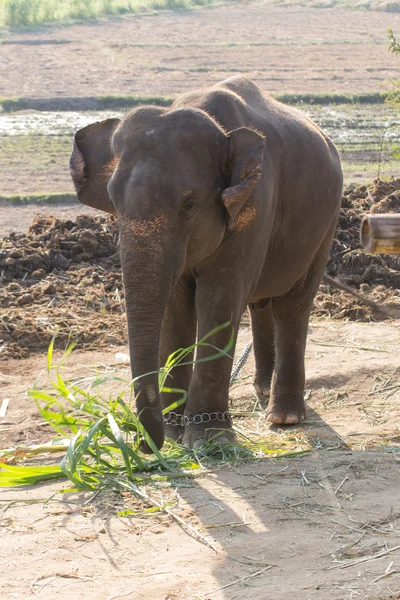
(365, 559)
(241, 580)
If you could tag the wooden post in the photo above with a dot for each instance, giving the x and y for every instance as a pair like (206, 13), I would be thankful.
(381, 233)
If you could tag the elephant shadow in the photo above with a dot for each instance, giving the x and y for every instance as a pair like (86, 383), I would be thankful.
(245, 509)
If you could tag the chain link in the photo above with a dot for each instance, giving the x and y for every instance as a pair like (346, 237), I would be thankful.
(240, 362)
(176, 419)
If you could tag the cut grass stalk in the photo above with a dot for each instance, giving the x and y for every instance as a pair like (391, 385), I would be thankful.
(11, 455)
(14, 475)
(195, 533)
(349, 346)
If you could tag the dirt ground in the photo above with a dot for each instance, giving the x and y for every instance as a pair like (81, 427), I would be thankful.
(279, 527)
(284, 49)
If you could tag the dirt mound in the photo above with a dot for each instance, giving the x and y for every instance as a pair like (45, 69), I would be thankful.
(61, 276)
(348, 260)
(65, 276)
(378, 276)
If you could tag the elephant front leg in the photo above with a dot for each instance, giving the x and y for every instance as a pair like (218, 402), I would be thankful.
(206, 413)
(178, 331)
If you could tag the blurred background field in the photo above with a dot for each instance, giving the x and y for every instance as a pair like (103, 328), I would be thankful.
(333, 63)
(367, 136)
(17, 13)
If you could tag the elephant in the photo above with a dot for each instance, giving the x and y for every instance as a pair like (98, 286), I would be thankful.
(225, 199)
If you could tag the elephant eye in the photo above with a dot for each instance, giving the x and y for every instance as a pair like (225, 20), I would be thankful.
(189, 205)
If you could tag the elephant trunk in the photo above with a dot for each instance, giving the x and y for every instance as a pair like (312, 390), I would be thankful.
(147, 282)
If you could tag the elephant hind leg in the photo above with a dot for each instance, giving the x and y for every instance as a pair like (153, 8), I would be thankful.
(286, 405)
(291, 315)
(262, 324)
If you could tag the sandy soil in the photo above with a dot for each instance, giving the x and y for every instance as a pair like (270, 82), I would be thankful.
(279, 526)
(282, 48)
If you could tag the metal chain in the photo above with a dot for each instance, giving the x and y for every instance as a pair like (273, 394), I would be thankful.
(176, 419)
(241, 361)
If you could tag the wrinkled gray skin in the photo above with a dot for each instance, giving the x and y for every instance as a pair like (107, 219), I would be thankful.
(226, 199)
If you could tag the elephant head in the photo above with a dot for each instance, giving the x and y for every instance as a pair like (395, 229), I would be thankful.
(176, 181)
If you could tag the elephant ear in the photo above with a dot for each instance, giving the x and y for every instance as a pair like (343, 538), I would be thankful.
(90, 157)
(245, 157)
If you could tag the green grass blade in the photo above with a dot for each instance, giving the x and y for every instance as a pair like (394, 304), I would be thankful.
(144, 435)
(127, 449)
(121, 444)
(50, 353)
(11, 475)
(66, 354)
(178, 402)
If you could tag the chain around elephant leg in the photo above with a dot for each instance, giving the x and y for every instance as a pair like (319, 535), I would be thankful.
(218, 432)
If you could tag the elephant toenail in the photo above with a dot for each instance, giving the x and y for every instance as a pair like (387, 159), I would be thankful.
(197, 444)
(222, 439)
(291, 420)
(275, 418)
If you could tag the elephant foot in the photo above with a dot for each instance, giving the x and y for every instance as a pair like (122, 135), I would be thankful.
(284, 409)
(262, 387)
(195, 437)
(174, 432)
(263, 390)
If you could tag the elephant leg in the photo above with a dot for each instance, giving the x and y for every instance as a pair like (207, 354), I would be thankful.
(207, 405)
(286, 405)
(178, 331)
(262, 324)
(291, 315)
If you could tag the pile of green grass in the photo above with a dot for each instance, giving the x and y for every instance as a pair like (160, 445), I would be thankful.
(19, 13)
(100, 434)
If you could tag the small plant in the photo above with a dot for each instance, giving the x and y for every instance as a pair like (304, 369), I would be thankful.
(396, 151)
(394, 94)
(394, 46)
